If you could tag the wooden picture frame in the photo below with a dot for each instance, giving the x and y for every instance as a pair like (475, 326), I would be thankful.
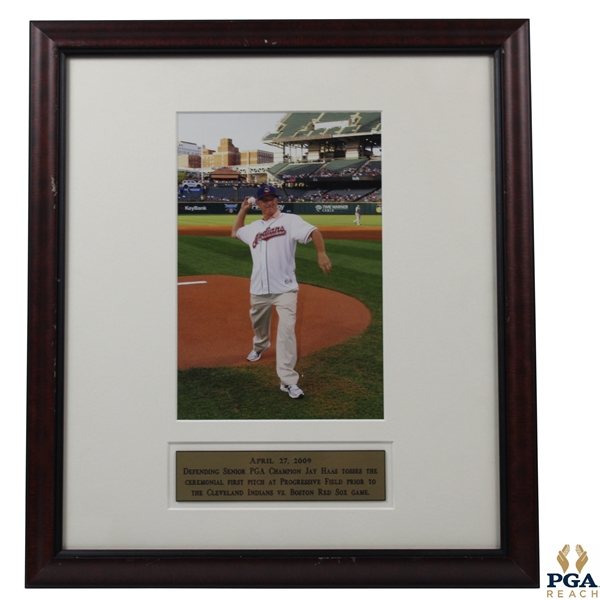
(48, 564)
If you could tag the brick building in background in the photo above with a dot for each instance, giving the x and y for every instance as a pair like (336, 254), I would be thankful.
(228, 155)
(189, 155)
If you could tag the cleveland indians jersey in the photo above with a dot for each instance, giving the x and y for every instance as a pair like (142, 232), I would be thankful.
(273, 248)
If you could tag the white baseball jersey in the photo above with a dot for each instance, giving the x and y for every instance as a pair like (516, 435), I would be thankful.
(273, 248)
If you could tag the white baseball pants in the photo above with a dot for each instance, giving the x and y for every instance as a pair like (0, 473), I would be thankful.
(260, 315)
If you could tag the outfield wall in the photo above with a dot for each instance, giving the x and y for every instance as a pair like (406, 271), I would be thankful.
(297, 208)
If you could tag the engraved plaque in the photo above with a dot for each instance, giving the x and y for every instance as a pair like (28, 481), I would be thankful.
(280, 476)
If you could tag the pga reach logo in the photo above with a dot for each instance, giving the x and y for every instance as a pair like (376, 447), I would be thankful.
(578, 585)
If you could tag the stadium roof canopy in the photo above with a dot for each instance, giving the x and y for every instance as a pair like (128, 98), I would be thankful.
(303, 127)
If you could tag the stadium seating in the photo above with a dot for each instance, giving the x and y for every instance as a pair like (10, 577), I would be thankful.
(276, 168)
(220, 193)
(341, 167)
(371, 168)
(299, 170)
(335, 195)
(244, 191)
(374, 196)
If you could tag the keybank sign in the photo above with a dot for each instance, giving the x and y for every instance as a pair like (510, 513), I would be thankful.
(578, 585)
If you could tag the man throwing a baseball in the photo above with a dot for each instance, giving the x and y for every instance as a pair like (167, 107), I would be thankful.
(272, 242)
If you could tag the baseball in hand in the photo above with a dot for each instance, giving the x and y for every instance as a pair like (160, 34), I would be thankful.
(252, 200)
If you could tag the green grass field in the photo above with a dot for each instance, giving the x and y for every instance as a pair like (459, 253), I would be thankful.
(318, 220)
(341, 382)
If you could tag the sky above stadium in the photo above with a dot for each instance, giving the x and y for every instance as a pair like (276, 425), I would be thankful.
(246, 130)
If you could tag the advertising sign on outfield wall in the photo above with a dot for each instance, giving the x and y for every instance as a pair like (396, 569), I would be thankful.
(297, 208)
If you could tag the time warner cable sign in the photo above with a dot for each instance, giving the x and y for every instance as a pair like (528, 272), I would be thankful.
(331, 208)
(571, 583)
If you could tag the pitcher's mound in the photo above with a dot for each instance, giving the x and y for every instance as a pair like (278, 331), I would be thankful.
(214, 324)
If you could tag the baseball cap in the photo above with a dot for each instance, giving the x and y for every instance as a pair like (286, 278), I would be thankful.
(266, 190)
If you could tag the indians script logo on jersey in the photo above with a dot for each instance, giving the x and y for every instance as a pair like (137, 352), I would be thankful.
(267, 234)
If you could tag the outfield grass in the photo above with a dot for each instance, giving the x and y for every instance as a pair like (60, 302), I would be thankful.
(341, 382)
(318, 220)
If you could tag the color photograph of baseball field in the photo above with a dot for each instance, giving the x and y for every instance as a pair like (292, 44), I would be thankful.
(291, 222)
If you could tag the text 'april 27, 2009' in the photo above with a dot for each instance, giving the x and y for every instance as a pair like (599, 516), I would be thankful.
(280, 476)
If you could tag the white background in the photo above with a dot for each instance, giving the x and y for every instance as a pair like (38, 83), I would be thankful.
(565, 109)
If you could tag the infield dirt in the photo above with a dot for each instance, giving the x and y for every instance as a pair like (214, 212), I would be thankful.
(214, 324)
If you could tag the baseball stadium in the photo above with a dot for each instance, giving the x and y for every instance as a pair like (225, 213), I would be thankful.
(326, 168)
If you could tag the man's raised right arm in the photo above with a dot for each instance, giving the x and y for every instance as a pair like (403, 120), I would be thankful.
(241, 217)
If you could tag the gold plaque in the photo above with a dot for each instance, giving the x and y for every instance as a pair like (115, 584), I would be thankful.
(280, 476)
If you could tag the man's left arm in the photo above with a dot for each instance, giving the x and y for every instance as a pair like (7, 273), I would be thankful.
(322, 257)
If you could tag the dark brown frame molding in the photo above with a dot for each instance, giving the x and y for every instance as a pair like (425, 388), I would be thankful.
(516, 564)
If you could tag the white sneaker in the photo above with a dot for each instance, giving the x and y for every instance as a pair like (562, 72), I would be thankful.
(293, 390)
(256, 354)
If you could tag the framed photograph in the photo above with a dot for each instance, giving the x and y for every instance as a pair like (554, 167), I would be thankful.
(325, 168)
(374, 177)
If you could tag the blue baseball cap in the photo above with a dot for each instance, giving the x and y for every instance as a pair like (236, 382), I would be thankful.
(266, 190)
